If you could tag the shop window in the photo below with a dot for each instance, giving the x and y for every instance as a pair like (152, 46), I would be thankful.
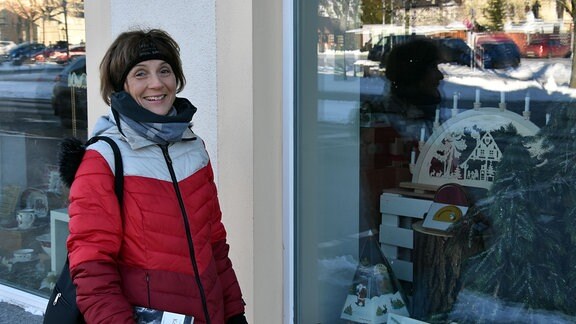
(434, 174)
(42, 101)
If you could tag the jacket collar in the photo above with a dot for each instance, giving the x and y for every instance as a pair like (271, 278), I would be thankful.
(106, 125)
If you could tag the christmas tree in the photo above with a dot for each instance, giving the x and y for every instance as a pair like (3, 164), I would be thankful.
(496, 13)
(558, 173)
(529, 260)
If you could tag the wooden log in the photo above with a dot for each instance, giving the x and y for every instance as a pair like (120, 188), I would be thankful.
(436, 273)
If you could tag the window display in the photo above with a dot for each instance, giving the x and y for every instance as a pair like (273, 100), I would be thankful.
(391, 116)
(32, 124)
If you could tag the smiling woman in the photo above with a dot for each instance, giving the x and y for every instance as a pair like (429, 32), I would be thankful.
(168, 232)
(153, 85)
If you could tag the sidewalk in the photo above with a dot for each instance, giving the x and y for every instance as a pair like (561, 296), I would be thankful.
(10, 314)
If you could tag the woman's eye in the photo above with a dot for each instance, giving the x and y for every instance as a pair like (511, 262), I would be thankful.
(139, 74)
(165, 71)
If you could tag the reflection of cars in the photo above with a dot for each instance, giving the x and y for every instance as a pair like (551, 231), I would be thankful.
(24, 51)
(69, 93)
(496, 52)
(5, 46)
(454, 50)
(382, 48)
(384, 45)
(547, 46)
(62, 56)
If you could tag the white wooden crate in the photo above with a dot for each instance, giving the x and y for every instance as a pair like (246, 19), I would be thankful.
(396, 234)
(58, 234)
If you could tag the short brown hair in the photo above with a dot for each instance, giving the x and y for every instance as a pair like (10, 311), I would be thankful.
(127, 49)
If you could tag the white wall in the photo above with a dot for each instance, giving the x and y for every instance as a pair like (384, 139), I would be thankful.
(268, 84)
(235, 134)
(192, 24)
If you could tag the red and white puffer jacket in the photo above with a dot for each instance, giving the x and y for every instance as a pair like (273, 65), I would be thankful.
(141, 256)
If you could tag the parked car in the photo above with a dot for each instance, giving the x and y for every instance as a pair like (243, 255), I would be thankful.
(69, 93)
(5, 46)
(49, 52)
(496, 52)
(548, 46)
(61, 56)
(454, 50)
(24, 52)
(382, 48)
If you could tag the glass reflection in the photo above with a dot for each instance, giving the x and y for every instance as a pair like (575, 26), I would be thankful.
(43, 99)
(467, 197)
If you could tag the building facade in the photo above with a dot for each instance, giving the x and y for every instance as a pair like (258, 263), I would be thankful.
(339, 207)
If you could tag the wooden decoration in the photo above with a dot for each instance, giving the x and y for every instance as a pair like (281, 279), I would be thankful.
(449, 205)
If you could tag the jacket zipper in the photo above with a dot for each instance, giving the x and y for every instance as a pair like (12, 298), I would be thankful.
(148, 289)
(188, 232)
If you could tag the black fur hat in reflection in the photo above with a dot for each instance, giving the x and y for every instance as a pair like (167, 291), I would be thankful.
(70, 156)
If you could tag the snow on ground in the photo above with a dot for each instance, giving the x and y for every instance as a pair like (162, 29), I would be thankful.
(546, 79)
(30, 81)
(470, 304)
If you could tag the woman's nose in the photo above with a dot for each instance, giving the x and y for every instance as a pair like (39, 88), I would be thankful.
(155, 81)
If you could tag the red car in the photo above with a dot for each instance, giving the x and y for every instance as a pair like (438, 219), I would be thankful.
(548, 46)
(61, 56)
(496, 52)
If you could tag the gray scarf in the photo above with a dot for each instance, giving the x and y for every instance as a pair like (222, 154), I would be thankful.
(160, 129)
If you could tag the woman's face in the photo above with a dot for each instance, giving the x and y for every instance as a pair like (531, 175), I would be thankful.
(153, 85)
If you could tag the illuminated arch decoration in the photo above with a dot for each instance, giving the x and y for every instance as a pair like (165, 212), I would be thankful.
(441, 157)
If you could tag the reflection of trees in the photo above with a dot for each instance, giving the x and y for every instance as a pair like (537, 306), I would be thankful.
(569, 6)
(343, 15)
(495, 11)
(530, 256)
(27, 9)
(347, 12)
(49, 11)
(45, 10)
(522, 262)
(372, 11)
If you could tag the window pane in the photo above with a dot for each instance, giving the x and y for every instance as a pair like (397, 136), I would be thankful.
(433, 162)
(42, 101)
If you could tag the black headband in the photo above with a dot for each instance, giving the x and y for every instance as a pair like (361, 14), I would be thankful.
(148, 51)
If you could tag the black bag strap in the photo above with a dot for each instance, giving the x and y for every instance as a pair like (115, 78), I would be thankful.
(118, 166)
(62, 307)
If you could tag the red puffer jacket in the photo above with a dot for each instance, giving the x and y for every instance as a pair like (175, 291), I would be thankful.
(143, 256)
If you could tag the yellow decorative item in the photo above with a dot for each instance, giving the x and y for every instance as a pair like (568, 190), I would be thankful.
(448, 213)
(449, 206)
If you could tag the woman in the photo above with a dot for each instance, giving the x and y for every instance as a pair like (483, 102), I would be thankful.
(164, 250)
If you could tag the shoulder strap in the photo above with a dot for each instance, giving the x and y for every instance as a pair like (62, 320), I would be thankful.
(118, 166)
(64, 289)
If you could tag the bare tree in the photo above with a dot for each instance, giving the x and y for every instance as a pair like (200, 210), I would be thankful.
(346, 12)
(50, 10)
(34, 10)
(568, 6)
(28, 10)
